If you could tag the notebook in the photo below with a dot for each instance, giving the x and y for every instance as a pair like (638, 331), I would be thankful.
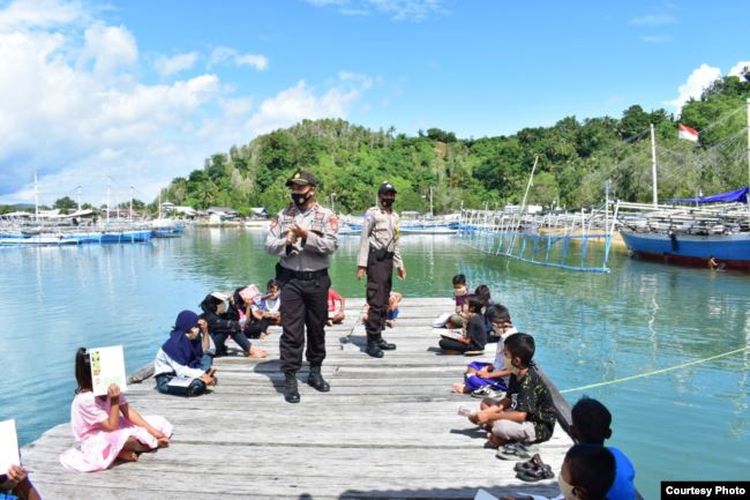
(180, 381)
(107, 367)
(8, 445)
(454, 334)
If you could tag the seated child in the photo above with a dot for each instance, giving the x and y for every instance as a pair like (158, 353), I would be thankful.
(185, 354)
(336, 305)
(392, 313)
(460, 294)
(482, 376)
(106, 427)
(526, 414)
(224, 322)
(269, 305)
(587, 472)
(474, 337)
(483, 292)
(591, 425)
(253, 321)
(17, 485)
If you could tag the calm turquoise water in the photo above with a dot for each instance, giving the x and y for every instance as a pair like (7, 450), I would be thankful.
(688, 424)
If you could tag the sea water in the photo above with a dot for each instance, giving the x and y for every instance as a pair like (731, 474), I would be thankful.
(687, 424)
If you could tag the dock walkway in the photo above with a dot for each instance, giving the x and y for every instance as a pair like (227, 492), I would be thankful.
(387, 429)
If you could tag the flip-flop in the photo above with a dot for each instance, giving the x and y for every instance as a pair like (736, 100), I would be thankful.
(516, 451)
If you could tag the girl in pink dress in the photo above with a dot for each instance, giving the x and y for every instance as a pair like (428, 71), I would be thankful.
(107, 428)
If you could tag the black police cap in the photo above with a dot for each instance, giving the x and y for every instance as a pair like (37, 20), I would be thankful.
(387, 187)
(302, 178)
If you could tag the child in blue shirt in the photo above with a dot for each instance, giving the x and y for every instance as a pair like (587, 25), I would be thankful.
(591, 425)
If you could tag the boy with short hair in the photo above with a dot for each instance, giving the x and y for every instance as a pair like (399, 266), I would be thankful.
(591, 425)
(460, 295)
(485, 379)
(526, 414)
(587, 472)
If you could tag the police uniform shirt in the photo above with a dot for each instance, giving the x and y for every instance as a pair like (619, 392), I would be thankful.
(380, 230)
(311, 255)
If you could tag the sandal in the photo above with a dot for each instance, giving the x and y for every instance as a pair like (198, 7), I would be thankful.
(534, 463)
(534, 475)
(515, 451)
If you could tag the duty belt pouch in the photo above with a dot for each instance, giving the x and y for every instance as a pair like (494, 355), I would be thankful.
(380, 254)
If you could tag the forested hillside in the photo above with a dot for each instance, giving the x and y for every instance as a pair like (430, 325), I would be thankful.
(576, 157)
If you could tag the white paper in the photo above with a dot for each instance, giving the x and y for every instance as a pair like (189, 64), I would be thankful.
(455, 333)
(107, 367)
(180, 381)
(8, 445)
(484, 495)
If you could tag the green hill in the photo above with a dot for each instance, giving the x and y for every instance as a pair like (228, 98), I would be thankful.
(576, 157)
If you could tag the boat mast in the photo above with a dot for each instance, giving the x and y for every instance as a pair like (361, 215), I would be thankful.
(36, 199)
(654, 196)
(109, 192)
(748, 144)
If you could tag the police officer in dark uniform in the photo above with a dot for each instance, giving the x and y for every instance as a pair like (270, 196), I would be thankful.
(303, 235)
(378, 254)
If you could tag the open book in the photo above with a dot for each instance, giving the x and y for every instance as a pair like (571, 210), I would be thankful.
(107, 367)
(449, 333)
(180, 381)
(8, 445)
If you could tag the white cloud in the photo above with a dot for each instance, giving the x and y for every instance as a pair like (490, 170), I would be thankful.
(256, 61)
(221, 55)
(699, 80)
(168, 66)
(398, 10)
(39, 14)
(653, 20)
(110, 48)
(739, 69)
(75, 110)
(655, 38)
(300, 102)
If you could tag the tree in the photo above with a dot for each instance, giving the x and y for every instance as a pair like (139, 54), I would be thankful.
(65, 203)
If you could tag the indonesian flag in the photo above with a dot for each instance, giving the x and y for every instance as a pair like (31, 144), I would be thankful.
(687, 133)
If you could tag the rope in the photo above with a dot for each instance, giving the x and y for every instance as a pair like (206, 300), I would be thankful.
(655, 372)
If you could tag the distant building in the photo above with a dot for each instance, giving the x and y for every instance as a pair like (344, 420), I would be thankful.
(222, 213)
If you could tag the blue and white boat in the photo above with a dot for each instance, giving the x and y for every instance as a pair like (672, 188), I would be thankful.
(693, 235)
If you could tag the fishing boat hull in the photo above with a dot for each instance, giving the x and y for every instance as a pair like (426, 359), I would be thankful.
(729, 250)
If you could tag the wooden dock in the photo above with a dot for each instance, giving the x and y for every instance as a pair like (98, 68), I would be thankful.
(387, 429)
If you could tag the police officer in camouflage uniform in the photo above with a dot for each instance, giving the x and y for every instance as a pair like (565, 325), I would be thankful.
(303, 235)
(378, 254)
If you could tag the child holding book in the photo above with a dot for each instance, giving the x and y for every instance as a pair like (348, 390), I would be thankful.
(106, 427)
(474, 337)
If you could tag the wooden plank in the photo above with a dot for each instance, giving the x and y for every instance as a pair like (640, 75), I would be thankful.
(387, 429)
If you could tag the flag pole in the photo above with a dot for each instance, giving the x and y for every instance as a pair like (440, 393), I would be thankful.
(653, 167)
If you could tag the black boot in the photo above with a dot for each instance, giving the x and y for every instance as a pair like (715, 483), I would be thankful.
(291, 394)
(386, 346)
(315, 380)
(373, 349)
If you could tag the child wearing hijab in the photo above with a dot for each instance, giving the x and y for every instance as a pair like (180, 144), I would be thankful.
(106, 427)
(184, 355)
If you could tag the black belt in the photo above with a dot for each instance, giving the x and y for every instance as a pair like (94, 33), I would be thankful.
(381, 254)
(284, 272)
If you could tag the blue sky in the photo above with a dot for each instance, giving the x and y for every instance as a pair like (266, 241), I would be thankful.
(135, 93)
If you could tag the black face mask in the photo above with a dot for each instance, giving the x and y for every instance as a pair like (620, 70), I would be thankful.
(300, 199)
(387, 202)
